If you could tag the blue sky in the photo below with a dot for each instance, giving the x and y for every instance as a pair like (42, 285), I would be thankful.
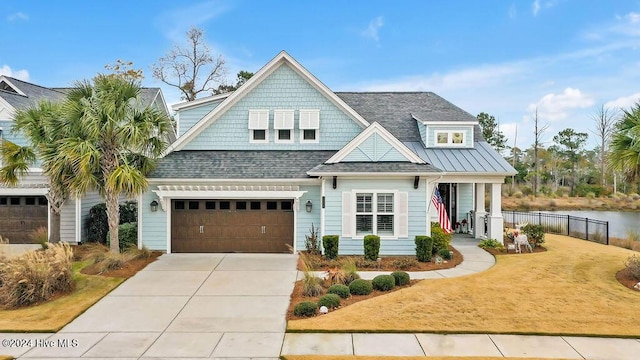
(507, 58)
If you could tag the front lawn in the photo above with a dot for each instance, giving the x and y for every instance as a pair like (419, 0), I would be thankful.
(571, 289)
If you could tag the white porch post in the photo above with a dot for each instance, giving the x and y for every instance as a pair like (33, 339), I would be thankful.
(495, 215)
(479, 212)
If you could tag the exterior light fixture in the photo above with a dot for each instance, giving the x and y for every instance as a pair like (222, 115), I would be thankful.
(154, 206)
(309, 205)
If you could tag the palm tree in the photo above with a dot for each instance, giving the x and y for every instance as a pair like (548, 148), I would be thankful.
(624, 151)
(113, 141)
(42, 126)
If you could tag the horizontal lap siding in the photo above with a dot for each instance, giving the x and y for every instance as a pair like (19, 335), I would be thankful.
(68, 221)
(465, 200)
(305, 219)
(283, 89)
(154, 224)
(416, 214)
(88, 201)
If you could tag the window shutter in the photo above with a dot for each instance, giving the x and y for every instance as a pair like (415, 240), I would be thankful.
(347, 215)
(403, 214)
(258, 119)
(283, 119)
(310, 119)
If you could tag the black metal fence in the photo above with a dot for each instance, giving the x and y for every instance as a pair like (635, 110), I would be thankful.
(574, 226)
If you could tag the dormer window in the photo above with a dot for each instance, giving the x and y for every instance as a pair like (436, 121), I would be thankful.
(309, 125)
(450, 138)
(283, 123)
(259, 126)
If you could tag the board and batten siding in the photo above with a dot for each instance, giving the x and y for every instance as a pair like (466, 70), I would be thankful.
(154, 224)
(374, 148)
(417, 210)
(305, 219)
(430, 140)
(190, 116)
(284, 89)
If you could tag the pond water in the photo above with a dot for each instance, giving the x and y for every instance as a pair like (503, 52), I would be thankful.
(620, 222)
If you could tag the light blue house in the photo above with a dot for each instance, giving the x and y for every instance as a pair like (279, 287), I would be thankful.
(254, 170)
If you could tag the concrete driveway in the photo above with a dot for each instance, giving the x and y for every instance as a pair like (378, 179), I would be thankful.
(185, 306)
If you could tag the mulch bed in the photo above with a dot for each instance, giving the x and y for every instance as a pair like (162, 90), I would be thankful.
(525, 250)
(129, 269)
(624, 277)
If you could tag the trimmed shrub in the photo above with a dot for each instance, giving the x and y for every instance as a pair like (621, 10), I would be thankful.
(98, 225)
(305, 308)
(127, 236)
(492, 243)
(371, 247)
(534, 232)
(331, 301)
(441, 240)
(360, 287)
(445, 254)
(402, 278)
(340, 290)
(424, 248)
(330, 244)
(383, 282)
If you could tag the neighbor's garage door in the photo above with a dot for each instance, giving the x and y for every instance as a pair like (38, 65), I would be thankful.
(20, 216)
(247, 226)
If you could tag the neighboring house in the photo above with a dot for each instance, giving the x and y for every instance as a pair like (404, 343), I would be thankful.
(254, 170)
(24, 208)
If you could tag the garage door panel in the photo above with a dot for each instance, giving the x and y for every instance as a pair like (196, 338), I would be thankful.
(20, 216)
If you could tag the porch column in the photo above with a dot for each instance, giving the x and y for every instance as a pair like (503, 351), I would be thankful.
(495, 222)
(478, 212)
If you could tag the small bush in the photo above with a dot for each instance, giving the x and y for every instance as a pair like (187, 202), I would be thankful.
(383, 282)
(350, 271)
(402, 278)
(305, 308)
(445, 254)
(424, 248)
(371, 247)
(534, 232)
(367, 264)
(405, 262)
(360, 287)
(142, 253)
(331, 301)
(335, 276)
(633, 264)
(40, 236)
(113, 261)
(36, 276)
(311, 285)
(340, 290)
(311, 241)
(518, 194)
(3, 240)
(490, 244)
(330, 243)
(441, 240)
(98, 224)
(127, 236)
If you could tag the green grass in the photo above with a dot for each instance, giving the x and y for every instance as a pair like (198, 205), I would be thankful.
(53, 315)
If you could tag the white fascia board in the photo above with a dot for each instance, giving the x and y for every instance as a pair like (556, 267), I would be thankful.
(5, 106)
(261, 75)
(385, 134)
(234, 181)
(24, 191)
(470, 178)
(449, 123)
(211, 194)
(204, 100)
(17, 90)
(160, 95)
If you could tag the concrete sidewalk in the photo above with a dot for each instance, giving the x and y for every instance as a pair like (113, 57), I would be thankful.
(555, 347)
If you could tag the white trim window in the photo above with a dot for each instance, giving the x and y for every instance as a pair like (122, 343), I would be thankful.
(375, 214)
(283, 125)
(309, 126)
(259, 126)
(450, 138)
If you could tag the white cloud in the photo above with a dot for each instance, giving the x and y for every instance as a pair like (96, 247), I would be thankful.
(176, 22)
(513, 12)
(553, 107)
(535, 7)
(18, 74)
(18, 16)
(509, 130)
(623, 102)
(372, 30)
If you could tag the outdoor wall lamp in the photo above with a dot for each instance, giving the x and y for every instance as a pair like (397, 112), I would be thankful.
(154, 206)
(309, 205)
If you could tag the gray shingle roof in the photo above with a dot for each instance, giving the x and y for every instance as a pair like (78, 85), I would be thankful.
(482, 158)
(373, 167)
(219, 164)
(34, 94)
(394, 110)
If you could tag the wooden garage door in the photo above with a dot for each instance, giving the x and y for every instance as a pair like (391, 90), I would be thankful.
(247, 226)
(20, 215)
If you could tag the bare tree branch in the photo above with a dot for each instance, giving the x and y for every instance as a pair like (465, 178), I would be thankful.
(604, 119)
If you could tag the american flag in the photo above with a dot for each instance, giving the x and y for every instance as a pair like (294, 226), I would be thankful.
(443, 219)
